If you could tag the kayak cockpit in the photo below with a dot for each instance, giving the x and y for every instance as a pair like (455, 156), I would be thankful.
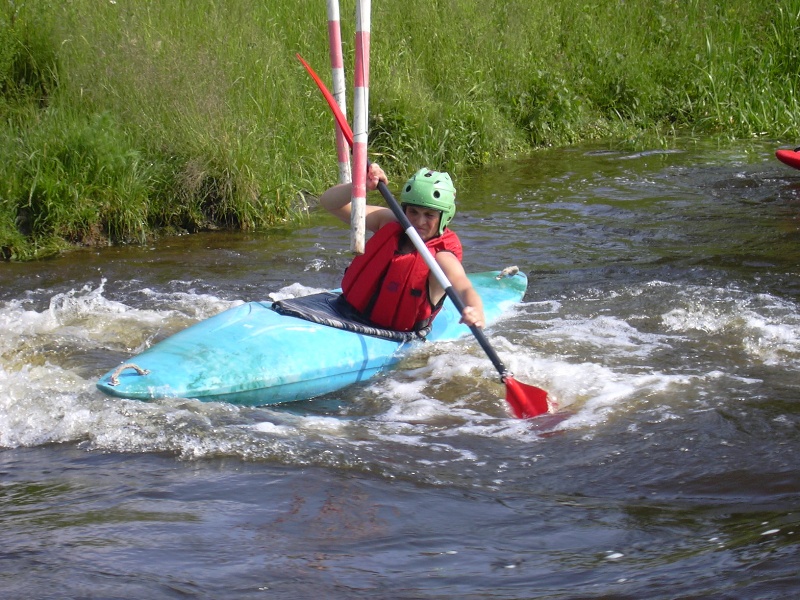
(328, 308)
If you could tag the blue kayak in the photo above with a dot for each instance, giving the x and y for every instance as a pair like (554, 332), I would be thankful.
(262, 353)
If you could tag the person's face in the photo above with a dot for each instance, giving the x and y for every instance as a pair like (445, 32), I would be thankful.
(424, 220)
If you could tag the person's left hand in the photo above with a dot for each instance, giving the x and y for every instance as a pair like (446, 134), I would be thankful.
(471, 316)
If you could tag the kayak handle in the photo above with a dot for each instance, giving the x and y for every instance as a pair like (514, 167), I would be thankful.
(114, 379)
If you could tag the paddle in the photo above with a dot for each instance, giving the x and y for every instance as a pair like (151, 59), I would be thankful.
(525, 400)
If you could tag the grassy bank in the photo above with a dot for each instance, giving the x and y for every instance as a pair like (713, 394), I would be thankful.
(122, 120)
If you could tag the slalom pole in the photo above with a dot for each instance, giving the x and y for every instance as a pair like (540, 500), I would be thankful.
(337, 68)
(360, 124)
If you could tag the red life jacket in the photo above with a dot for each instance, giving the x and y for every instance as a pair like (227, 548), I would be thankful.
(391, 289)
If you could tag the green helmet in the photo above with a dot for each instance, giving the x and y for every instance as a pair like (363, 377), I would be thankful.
(432, 189)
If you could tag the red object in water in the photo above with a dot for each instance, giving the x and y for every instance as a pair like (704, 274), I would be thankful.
(525, 400)
(789, 157)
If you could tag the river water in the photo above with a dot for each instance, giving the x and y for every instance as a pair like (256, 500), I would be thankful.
(663, 316)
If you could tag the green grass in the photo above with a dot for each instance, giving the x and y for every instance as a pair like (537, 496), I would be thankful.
(125, 120)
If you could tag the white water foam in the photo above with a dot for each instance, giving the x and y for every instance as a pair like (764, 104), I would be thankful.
(605, 365)
(765, 328)
(49, 361)
(595, 367)
(294, 290)
(591, 391)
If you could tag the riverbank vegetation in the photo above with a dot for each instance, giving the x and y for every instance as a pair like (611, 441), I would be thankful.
(123, 120)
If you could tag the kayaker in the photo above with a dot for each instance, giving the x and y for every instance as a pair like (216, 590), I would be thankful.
(390, 285)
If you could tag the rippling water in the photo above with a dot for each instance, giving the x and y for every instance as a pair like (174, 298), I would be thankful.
(662, 315)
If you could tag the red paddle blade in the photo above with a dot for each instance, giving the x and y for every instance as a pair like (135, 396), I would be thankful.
(525, 400)
(338, 115)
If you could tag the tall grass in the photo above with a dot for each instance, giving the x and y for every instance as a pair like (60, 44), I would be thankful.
(124, 119)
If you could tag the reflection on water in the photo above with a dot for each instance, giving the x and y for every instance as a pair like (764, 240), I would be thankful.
(662, 315)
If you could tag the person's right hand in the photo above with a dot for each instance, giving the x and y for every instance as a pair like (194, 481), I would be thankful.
(374, 175)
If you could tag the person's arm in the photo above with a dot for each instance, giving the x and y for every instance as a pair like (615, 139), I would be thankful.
(454, 270)
(336, 200)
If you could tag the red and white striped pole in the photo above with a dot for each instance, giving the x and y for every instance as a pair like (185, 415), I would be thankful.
(360, 123)
(337, 67)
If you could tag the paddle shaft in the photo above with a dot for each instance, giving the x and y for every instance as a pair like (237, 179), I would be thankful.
(451, 292)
